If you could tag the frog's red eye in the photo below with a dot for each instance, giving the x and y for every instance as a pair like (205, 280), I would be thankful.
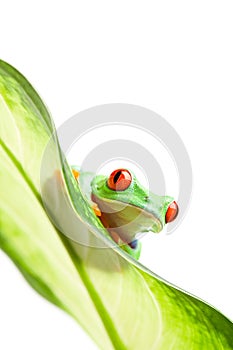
(172, 212)
(119, 180)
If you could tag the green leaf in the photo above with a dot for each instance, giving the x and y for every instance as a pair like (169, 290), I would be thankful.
(120, 303)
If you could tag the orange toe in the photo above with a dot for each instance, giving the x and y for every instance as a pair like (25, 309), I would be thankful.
(75, 173)
(96, 209)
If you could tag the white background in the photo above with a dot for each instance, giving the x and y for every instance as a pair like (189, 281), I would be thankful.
(174, 57)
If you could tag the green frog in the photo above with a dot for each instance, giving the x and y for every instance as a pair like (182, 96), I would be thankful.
(126, 208)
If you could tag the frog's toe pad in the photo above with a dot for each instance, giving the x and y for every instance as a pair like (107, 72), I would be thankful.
(75, 173)
(96, 209)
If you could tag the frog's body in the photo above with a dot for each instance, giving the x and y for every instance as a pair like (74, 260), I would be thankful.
(126, 208)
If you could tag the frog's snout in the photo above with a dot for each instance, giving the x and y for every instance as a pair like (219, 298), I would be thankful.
(172, 212)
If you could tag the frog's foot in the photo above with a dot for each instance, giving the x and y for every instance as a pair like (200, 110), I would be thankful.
(58, 175)
(75, 173)
(133, 248)
(117, 239)
(94, 206)
(133, 244)
(96, 209)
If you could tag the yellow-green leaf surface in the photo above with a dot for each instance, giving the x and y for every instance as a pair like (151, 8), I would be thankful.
(120, 303)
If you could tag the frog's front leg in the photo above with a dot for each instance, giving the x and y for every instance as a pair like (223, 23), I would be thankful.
(133, 248)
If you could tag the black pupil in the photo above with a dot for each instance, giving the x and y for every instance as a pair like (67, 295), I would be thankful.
(116, 177)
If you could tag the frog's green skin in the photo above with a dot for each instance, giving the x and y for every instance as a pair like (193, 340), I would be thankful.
(129, 212)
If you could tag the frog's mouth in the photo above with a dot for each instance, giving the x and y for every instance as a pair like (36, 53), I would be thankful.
(124, 221)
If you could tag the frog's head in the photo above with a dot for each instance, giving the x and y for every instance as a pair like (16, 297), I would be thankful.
(127, 208)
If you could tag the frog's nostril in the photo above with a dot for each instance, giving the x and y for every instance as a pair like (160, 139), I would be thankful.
(172, 212)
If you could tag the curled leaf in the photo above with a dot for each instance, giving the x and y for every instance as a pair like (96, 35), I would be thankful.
(120, 303)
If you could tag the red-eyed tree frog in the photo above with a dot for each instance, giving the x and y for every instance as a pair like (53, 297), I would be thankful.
(127, 209)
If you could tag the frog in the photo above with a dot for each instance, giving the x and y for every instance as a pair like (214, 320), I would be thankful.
(126, 208)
